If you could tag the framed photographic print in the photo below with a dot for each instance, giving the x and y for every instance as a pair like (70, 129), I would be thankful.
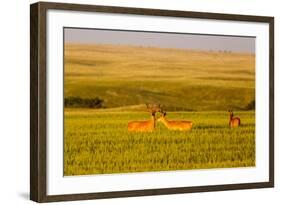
(134, 102)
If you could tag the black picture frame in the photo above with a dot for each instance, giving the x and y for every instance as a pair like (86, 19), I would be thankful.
(38, 102)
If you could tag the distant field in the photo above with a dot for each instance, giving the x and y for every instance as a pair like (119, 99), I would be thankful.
(179, 79)
(97, 142)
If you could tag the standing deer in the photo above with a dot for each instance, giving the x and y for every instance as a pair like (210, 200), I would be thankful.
(175, 124)
(233, 121)
(145, 126)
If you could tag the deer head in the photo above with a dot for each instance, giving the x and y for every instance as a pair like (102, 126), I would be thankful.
(153, 108)
(230, 113)
(163, 114)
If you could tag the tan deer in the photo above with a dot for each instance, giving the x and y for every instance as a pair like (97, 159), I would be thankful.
(233, 121)
(145, 126)
(174, 124)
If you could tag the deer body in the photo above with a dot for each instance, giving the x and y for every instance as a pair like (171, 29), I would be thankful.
(175, 124)
(142, 126)
(233, 121)
(145, 126)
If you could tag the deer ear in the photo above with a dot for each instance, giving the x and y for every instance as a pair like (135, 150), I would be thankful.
(165, 113)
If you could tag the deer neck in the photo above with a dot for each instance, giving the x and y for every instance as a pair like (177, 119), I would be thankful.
(153, 121)
(230, 118)
(165, 122)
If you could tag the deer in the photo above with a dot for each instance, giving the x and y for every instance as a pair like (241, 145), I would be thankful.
(145, 126)
(174, 124)
(233, 121)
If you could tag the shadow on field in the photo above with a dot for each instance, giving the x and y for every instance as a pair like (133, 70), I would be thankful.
(203, 127)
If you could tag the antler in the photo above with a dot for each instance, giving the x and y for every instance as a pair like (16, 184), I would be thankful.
(153, 108)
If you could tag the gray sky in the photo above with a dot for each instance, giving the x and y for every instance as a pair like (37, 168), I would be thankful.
(163, 40)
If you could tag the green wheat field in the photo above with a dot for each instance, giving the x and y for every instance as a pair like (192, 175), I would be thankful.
(191, 85)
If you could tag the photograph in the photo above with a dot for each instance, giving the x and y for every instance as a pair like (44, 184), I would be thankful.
(128, 101)
(147, 101)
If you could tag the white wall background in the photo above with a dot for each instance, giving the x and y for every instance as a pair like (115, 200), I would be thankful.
(14, 101)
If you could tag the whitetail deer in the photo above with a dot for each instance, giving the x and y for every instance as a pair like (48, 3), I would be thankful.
(175, 124)
(145, 126)
(233, 121)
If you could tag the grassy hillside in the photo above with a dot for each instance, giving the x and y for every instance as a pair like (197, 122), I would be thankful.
(180, 79)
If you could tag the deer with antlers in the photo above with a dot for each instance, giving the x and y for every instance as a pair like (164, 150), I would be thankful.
(174, 124)
(145, 126)
(233, 121)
